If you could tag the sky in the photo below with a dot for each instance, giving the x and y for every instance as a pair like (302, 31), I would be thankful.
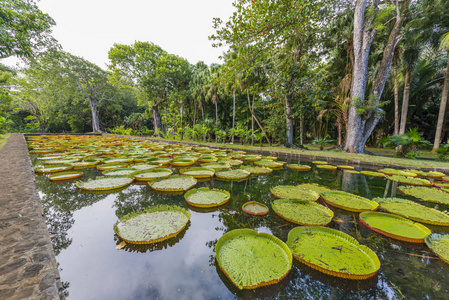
(89, 28)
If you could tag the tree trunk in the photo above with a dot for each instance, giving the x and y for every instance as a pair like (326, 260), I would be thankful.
(289, 121)
(444, 94)
(301, 128)
(360, 126)
(233, 114)
(157, 121)
(339, 123)
(95, 119)
(405, 100)
(216, 117)
(182, 115)
(252, 119)
(396, 94)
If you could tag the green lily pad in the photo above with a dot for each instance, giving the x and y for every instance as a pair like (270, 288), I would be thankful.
(445, 179)
(216, 166)
(298, 167)
(251, 158)
(117, 160)
(233, 174)
(232, 162)
(390, 172)
(205, 197)
(88, 163)
(269, 164)
(439, 244)
(302, 212)
(141, 167)
(294, 192)
(413, 211)
(327, 167)
(257, 170)
(348, 201)
(255, 208)
(345, 167)
(373, 174)
(434, 174)
(161, 161)
(152, 225)
(176, 183)
(314, 187)
(65, 176)
(198, 172)
(410, 180)
(151, 174)
(250, 259)
(104, 183)
(316, 162)
(52, 168)
(418, 172)
(395, 227)
(60, 161)
(332, 252)
(119, 172)
(426, 194)
(182, 162)
(105, 167)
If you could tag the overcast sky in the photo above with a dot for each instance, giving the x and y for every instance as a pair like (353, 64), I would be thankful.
(89, 28)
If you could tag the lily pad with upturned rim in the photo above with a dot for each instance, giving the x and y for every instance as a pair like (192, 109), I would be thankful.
(250, 259)
(216, 166)
(439, 244)
(151, 174)
(445, 179)
(198, 172)
(205, 197)
(435, 174)
(332, 252)
(141, 167)
(317, 162)
(327, 167)
(104, 183)
(373, 174)
(119, 172)
(391, 172)
(294, 192)
(182, 162)
(343, 167)
(255, 208)
(65, 176)
(232, 162)
(269, 164)
(426, 194)
(395, 227)
(52, 168)
(299, 167)
(348, 201)
(237, 174)
(176, 183)
(413, 211)
(152, 225)
(105, 167)
(302, 212)
(254, 170)
(314, 187)
(410, 180)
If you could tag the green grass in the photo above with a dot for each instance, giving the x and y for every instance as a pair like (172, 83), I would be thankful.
(3, 139)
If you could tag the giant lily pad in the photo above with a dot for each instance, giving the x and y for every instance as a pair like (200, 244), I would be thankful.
(176, 183)
(413, 211)
(141, 167)
(111, 166)
(182, 162)
(118, 160)
(232, 162)
(152, 225)
(198, 172)
(390, 172)
(88, 163)
(410, 180)
(233, 174)
(119, 172)
(257, 170)
(327, 167)
(60, 161)
(65, 176)
(426, 194)
(435, 174)
(160, 161)
(250, 259)
(205, 197)
(445, 179)
(104, 183)
(251, 158)
(439, 244)
(314, 187)
(302, 212)
(255, 208)
(349, 201)
(332, 252)
(52, 168)
(269, 164)
(298, 167)
(294, 192)
(373, 174)
(216, 166)
(151, 174)
(395, 227)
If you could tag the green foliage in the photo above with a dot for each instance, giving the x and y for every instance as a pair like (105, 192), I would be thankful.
(439, 244)
(221, 134)
(408, 143)
(322, 141)
(443, 151)
(426, 194)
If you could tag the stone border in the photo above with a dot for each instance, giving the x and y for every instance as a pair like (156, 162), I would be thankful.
(28, 269)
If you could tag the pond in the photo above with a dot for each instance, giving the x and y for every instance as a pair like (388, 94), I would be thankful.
(92, 266)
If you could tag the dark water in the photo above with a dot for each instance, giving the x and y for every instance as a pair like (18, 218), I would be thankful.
(184, 267)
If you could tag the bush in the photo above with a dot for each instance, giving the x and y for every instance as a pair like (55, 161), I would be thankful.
(407, 143)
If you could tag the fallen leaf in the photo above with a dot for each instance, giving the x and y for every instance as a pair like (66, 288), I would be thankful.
(121, 245)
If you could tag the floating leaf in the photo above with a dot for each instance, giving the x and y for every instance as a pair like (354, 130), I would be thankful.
(426, 194)
(152, 225)
(373, 174)
(395, 227)
(176, 183)
(316, 162)
(65, 176)
(104, 183)
(250, 259)
(119, 172)
(294, 192)
(198, 172)
(52, 168)
(251, 158)
(390, 172)
(182, 162)
(160, 161)
(205, 197)
(60, 161)
(232, 162)
(111, 166)
(269, 164)
(410, 180)
(413, 211)
(233, 174)
(141, 167)
(302, 212)
(298, 167)
(345, 167)
(257, 170)
(445, 179)
(434, 174)
(117, 160)
(151, 174)
(255, 208)
(439, 244)
(314, 187)
(348, 201)
(332, 252)
(327, 167)
(216, 166)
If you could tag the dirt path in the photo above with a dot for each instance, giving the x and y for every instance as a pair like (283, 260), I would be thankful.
(28, 268)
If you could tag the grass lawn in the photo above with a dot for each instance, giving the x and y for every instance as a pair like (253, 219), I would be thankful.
(3, 139)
